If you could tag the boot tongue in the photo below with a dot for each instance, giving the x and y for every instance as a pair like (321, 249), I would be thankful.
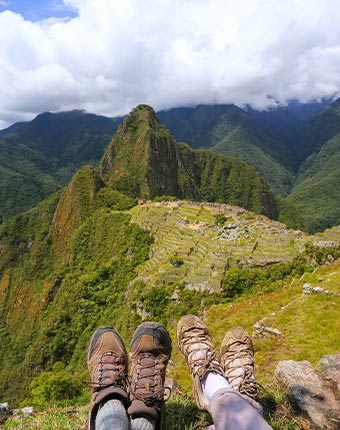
(147, 344)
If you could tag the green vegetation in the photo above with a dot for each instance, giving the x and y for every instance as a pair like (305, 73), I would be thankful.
(296, 150)
(54, 386)
(89, 256)
(181, 414)
(52, 304)
(58, 284)
(40, 157)
(232, 132)
(317, 191)
(144, 161)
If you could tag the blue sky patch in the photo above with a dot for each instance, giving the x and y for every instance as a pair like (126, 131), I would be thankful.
(37, 10)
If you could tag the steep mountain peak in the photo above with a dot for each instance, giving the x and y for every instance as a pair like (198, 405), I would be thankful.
(141, 116)
(140, 148)
(144, 161)
(142, 112)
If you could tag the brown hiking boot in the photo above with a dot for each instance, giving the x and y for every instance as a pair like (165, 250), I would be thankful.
(237, 358)
(196, 345)
(107, 364)
(149, 355)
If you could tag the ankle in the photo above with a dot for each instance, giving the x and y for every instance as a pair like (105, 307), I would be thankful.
(211, 383)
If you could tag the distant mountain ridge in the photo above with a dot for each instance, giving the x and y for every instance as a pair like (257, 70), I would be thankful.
(231, 131)
(39, 157)
(317, 188)
(144, 160)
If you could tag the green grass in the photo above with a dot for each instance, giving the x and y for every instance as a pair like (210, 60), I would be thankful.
(52, 300)
(181, 414)
(52, 419)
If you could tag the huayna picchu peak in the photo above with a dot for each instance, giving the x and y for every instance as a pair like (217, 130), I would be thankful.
(143, 160)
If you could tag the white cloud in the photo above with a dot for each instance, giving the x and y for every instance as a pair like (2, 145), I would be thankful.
(168, 53)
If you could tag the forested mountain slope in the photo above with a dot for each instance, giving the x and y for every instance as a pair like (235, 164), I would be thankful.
(317, 188)
(40, 157)
(231, 131)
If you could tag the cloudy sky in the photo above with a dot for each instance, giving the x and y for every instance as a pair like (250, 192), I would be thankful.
(106, 56)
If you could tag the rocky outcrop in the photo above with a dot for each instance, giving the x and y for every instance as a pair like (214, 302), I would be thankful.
(315, 393)
(261, 329)
(309, 289)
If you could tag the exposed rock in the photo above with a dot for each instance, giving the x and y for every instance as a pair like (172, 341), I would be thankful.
(27, 411)
(260, 330)
(175, 297)
(312, 393)
(24, 412)
(4, 411)
(141, 311)
(309, 289)
(330, 365)
(203, 285)
(170, 384)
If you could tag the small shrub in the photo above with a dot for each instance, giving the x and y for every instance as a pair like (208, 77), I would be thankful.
(176, 261)
(54, 386)
(220, 220)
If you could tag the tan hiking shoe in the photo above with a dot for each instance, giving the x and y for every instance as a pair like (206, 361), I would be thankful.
(149, 356)
(237, 358)
(107, 365)
(196, 345)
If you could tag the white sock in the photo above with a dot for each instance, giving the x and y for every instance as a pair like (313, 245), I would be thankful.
(211, 383)
(142, 424)
(112, 415)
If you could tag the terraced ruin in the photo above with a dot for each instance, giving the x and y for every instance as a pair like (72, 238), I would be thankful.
(329, 238)
(195, 243)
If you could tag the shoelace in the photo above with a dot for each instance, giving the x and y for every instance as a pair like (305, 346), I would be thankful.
(248, 384)
(146, 387)
(193, 340)
(112, 366)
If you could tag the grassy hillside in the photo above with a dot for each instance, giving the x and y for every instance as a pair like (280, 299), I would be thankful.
(25, 179)
(308, 326)
(55, 280)
(90, 255)
(318, 130)
(67, 266)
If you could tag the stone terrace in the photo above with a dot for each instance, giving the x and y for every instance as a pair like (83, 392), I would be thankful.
(189, 248)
